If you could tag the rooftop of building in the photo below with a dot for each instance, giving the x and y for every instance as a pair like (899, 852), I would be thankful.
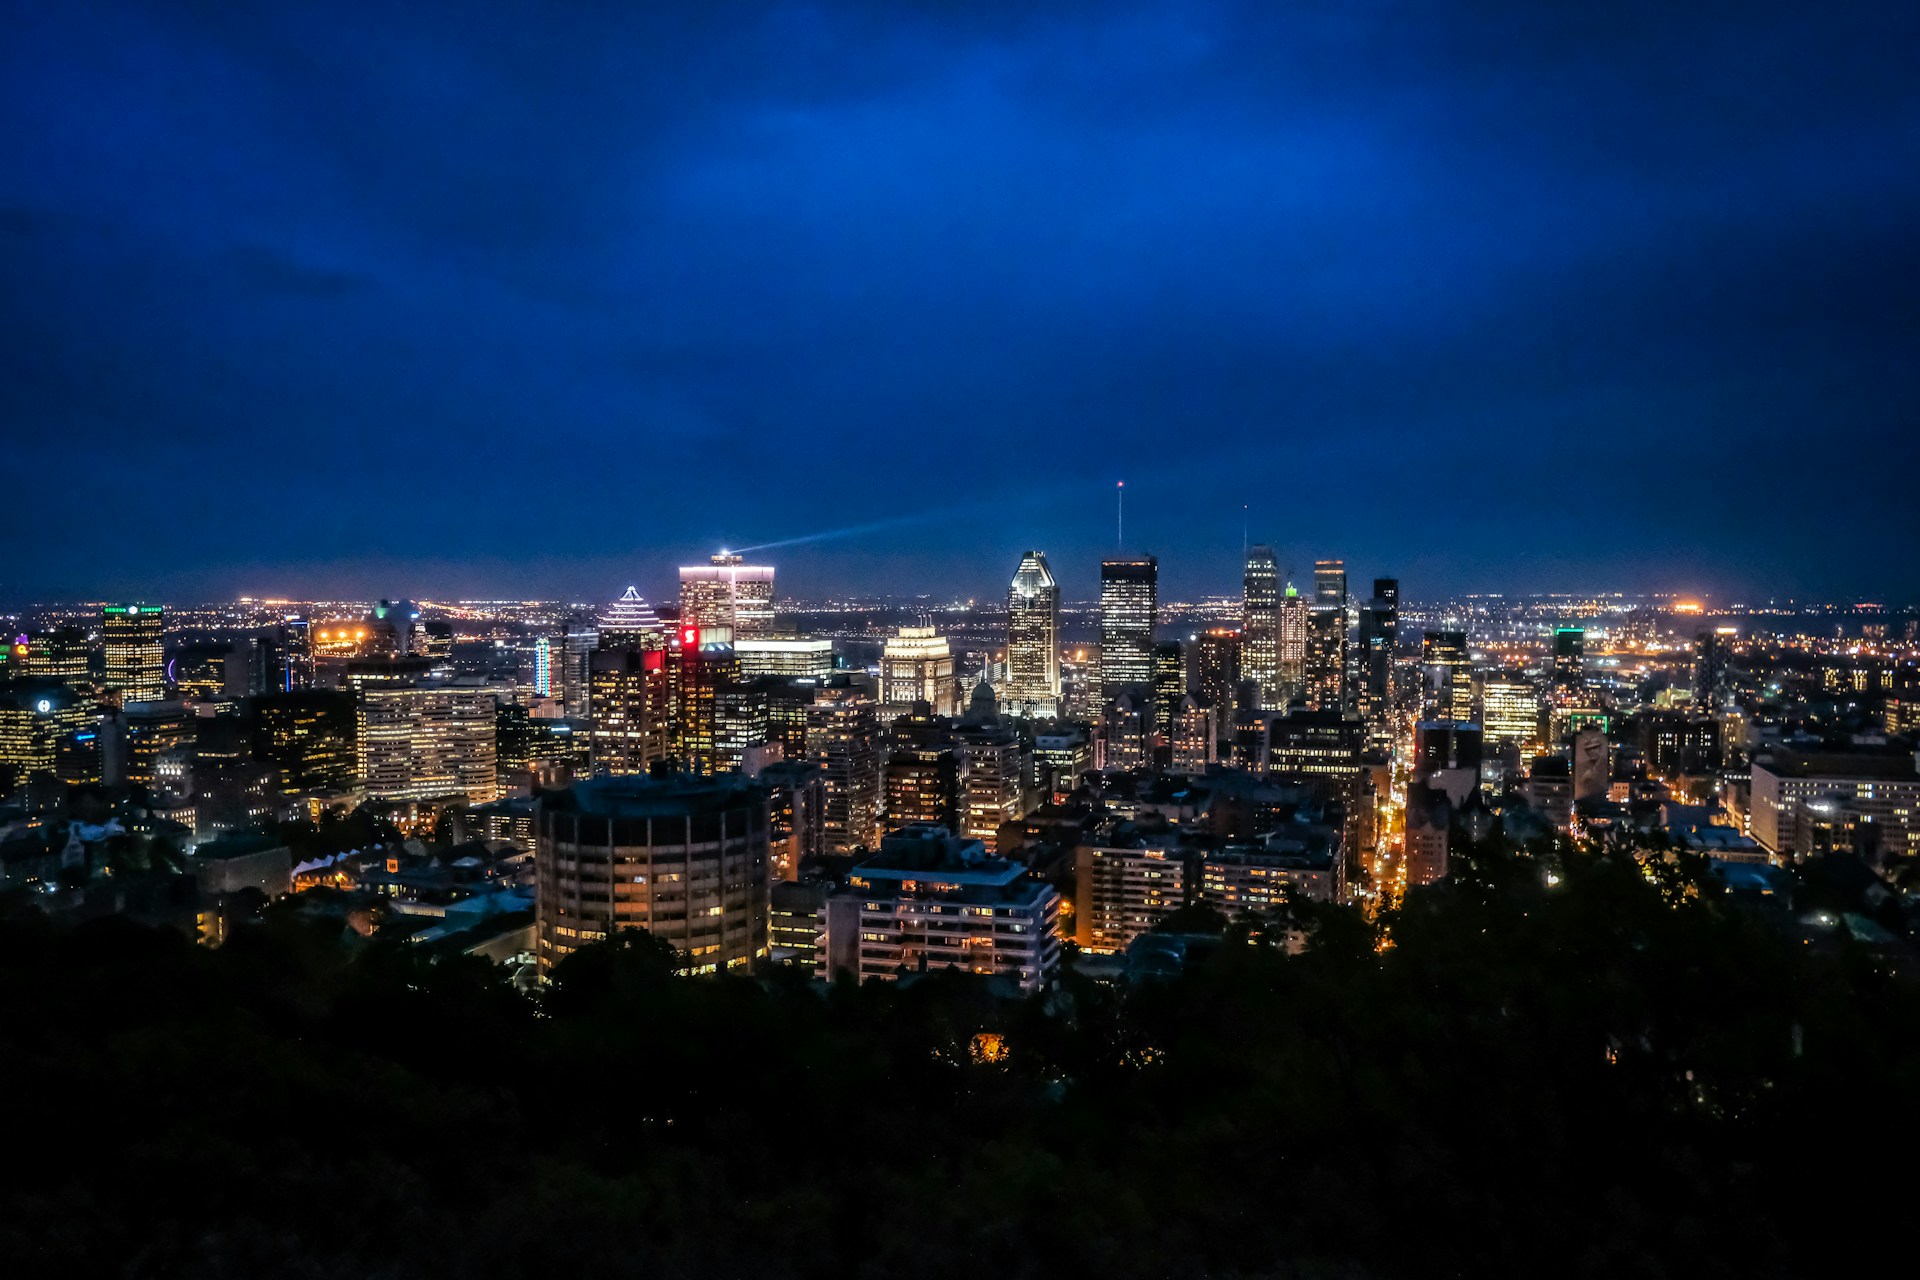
(242, 844)
(669, 795)
(1788, 762)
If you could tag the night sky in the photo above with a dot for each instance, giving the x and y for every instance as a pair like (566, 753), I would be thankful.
(486, 300)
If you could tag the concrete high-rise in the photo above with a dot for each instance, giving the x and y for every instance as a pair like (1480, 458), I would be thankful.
(1260, 627)
(1033, 639)
(725, 592)
(1129, 588)
(684, 858)
(136, 668)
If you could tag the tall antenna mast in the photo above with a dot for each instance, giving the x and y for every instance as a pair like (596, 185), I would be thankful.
(1243, 533)
(1120, 517)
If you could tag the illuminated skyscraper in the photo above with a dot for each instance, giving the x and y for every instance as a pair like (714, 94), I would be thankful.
(631, 622)
(543, 667)
(724, 592)
(704, 664)
(1128, 591)
(843, 738)
(917, 666)
(1260, 627)
(1379, 637)
(135, 667)
(1510, 712)
(1330, 582)
(1449, 676)
(1326, 667)
(1033, 639)
(633, 702)
(1293, 645)
(783, 656)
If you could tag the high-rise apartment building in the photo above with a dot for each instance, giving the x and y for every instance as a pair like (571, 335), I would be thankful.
(933, 900)
(1126, 882)
(1129, 589)
(136, 668)
(1260, 627)
(917, 666)
(725, 592)
(1033, 640)
(426, 741)
(684, 858)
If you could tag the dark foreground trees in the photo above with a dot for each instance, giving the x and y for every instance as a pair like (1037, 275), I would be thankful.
(1612, 1076)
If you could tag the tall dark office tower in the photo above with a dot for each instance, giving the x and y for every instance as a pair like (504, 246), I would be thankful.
(1330, 582)
(1379, 636)
(1570, 655)
(135, 666)
(1449, 675)
(1260, 626)
(60, 654)
(1213, 672)
(293, 654)
(1710, 666)
(577, 647)
(1128, 597)
(1326, 674)
(1169, 685)
(1033, 639)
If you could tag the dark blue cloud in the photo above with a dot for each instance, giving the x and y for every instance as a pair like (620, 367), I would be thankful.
(540, 299)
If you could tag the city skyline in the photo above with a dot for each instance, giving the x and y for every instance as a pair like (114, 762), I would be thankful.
(1553, 299)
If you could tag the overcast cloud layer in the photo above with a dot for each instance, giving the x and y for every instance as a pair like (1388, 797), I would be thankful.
(462, 299)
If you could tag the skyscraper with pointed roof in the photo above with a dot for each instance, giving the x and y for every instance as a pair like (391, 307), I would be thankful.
(1033, 639)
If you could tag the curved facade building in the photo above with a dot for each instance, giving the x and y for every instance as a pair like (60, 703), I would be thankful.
(684, 858)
